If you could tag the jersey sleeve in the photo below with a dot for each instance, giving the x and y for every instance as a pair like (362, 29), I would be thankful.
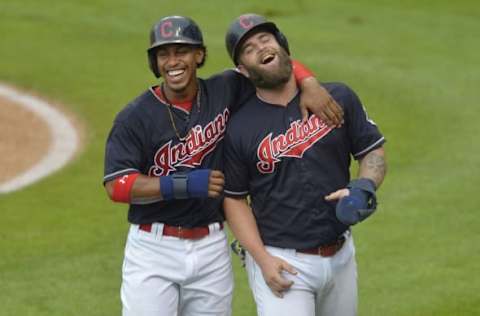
(362, 130)
(123, 152)
(239, 86)
(236, 170)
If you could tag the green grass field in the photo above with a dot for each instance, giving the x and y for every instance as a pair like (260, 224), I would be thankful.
(414, 64)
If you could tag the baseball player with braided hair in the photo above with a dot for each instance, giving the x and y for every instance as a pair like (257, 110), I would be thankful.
(164, 157)
(297, 230)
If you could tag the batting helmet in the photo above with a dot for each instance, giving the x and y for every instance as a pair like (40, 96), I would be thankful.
(173, 30)
(242, 26)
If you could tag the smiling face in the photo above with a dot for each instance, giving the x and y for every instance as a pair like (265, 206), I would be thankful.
(178, 64)
(264, 61)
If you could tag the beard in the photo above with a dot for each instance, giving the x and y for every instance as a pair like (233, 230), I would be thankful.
(270, 79)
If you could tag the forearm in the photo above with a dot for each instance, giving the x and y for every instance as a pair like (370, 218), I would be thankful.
(302, 73)
(315, 98)
(310, 83)
(146, 187)
(243, 225)
(143, 187)
(137, 188)
(373, 166)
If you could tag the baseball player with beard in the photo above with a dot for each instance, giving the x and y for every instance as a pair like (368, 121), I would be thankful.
(300, 251)
(164, 157)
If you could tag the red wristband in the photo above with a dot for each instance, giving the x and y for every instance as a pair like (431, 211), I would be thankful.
(122, 188)
(300, 71)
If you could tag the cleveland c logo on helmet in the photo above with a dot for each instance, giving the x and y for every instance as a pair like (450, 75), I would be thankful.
(245, 22)
(242, 26)
(173, 30)
(166, 29)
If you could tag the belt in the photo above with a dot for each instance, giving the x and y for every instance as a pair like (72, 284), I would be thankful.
(325, 250)
(181, 232)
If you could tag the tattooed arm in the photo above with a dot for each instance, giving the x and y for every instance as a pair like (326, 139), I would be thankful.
(373, 166)
(358, 200)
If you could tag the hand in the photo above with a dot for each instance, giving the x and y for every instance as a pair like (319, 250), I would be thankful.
(272, 268)
(348, 206)
(215, 183)
(316, 98)
(355, 203)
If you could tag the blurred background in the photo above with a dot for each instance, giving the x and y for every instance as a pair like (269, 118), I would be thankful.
(414, 65)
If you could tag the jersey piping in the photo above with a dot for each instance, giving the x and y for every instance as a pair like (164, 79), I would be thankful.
(241, 193)
(369, 147)
(114, 175)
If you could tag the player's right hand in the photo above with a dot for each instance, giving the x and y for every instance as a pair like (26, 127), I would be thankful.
(318, 100)
(215, 183)
(272, 268)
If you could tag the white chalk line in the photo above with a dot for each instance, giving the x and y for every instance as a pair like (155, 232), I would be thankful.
(62, 148)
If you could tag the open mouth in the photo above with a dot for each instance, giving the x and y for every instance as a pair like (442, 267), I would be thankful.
(267, 58)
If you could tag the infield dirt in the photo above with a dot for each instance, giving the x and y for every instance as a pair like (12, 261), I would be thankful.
(24, 139)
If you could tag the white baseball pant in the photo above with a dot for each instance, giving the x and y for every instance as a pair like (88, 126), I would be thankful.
(169, 276)
(324, 286)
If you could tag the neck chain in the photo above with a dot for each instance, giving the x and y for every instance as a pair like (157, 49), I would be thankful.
(170, 114)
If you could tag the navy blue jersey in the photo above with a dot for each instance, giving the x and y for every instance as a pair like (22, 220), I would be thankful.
(288, 167)
(143, 140)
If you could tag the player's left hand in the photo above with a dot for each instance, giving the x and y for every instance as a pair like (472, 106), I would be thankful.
(356, 202)
(317, 100)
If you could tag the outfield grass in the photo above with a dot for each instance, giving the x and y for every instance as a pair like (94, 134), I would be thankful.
(413, 63)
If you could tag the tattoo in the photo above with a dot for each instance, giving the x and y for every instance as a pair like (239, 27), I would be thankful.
(374, 167)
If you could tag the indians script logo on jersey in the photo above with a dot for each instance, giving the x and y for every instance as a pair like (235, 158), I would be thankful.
(293, 143)
(190, 153)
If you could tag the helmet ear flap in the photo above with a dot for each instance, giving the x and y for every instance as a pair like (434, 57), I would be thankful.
(282, 40)
(152, 63)
(204, 57)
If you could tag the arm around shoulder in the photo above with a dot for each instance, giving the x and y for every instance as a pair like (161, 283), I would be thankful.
(315, 97)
